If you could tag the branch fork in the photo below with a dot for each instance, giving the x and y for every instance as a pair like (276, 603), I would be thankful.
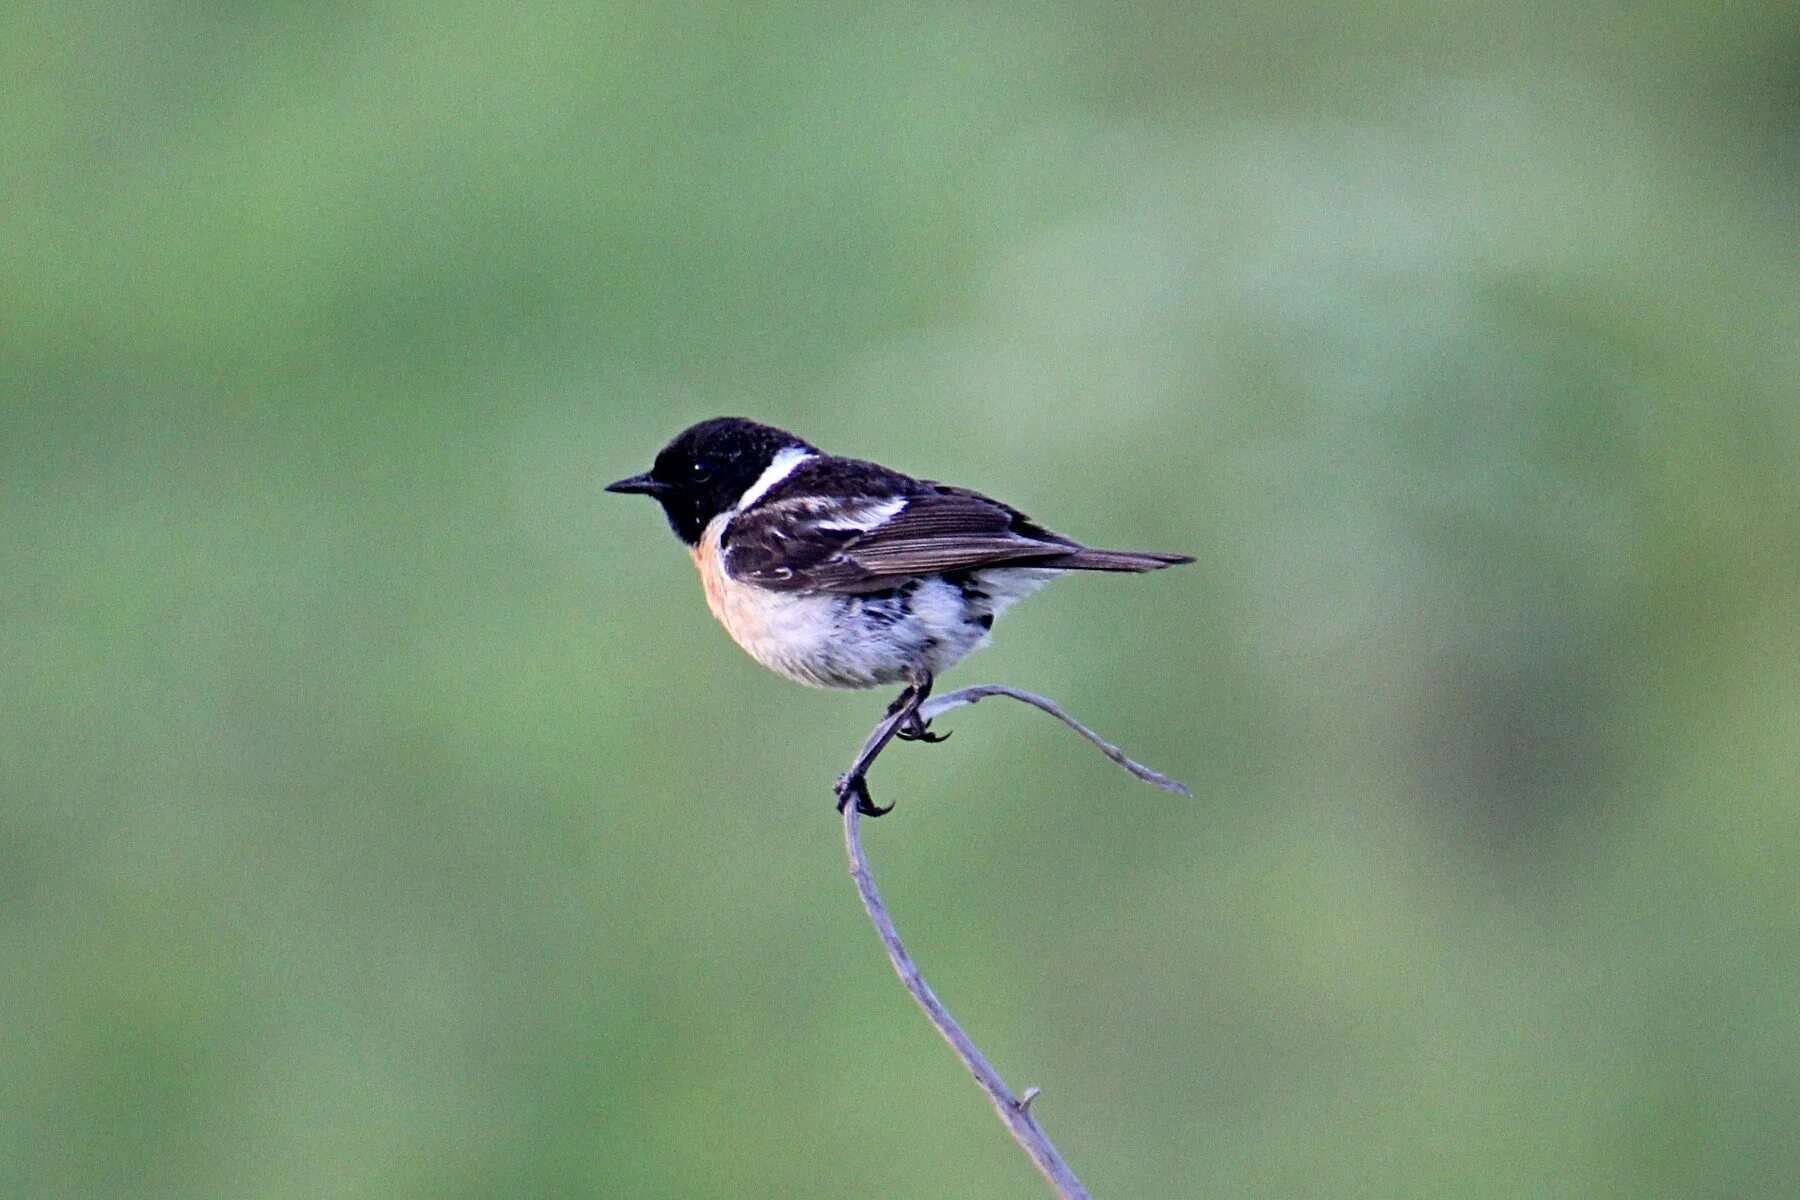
(1014, 1110)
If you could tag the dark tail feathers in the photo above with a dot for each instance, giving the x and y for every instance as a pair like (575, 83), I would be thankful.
(1085, 559)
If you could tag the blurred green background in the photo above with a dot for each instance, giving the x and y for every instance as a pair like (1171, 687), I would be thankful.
(383, 815)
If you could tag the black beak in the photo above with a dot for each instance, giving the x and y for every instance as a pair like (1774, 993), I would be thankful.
(639, 485)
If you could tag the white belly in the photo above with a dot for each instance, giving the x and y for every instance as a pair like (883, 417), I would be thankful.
(825, 639)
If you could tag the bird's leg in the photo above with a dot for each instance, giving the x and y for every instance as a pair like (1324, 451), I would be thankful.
(853, 784)
(912, 729)
(901, 701)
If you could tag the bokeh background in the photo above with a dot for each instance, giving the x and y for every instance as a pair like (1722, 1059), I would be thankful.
(381, 814)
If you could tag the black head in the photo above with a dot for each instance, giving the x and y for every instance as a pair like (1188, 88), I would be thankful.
(707, 469)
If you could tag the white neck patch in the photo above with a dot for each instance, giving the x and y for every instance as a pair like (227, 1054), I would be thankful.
(778, 469)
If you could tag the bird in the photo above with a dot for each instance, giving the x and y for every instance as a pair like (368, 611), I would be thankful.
(842, 573)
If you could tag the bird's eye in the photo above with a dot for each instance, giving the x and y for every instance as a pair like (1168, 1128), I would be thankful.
(704, 469)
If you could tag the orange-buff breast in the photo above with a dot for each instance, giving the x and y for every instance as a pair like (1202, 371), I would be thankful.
(734, 604)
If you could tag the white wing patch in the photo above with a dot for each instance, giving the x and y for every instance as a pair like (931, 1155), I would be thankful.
(870, 516)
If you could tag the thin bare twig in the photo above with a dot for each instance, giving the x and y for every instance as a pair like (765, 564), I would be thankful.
(1015, 1111)
(969, 695)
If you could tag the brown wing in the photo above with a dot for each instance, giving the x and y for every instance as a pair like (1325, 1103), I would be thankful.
(872, 543)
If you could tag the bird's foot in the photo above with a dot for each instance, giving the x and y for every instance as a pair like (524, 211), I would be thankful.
(915, 730)
(855, 787)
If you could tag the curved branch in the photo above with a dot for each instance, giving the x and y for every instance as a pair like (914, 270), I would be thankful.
(1015, 1111)
(969, 695)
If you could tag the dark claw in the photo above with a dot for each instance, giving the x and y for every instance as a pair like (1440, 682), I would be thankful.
(916, 730)
(858, 789)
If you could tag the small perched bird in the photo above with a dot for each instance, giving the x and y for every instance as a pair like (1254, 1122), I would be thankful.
(841, 573)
